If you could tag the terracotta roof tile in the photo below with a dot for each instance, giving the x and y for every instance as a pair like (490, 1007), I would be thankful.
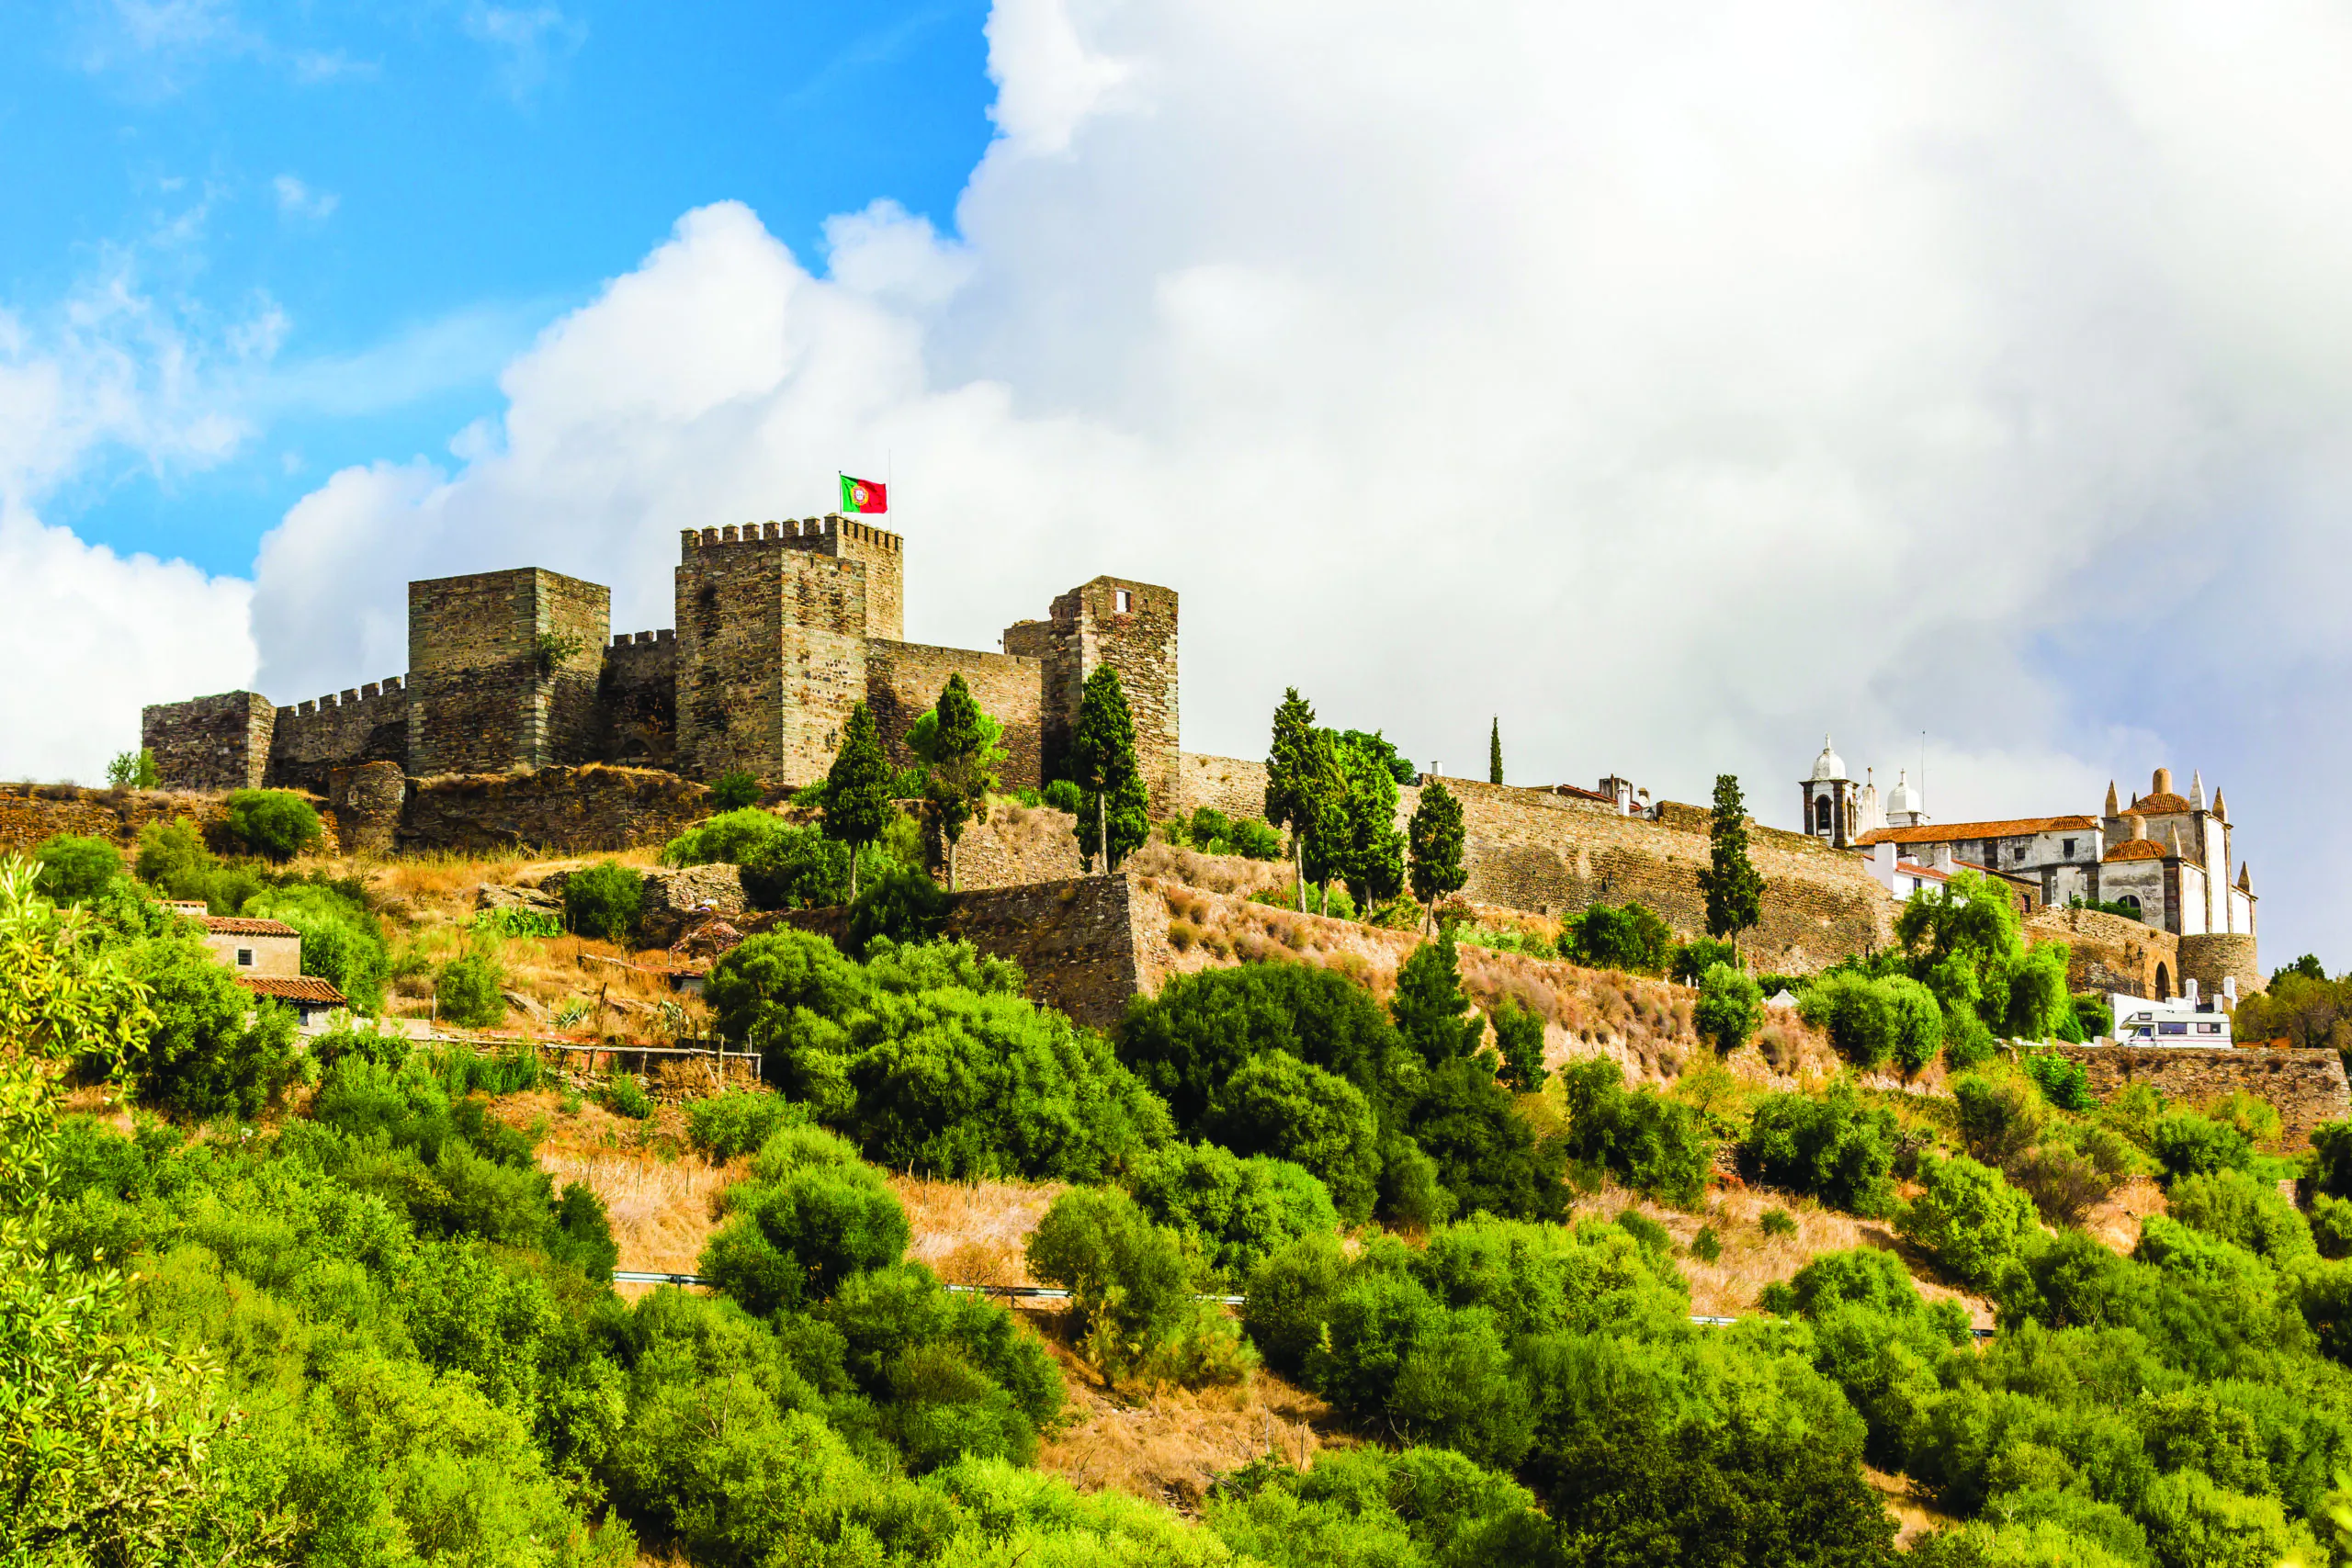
(1949, 832)
(235, 925)
(301, 989)
(2158, 805)
(2137, 848)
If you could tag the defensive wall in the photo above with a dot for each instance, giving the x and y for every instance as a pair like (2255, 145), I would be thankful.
(2111, 952)
(2306, 1086)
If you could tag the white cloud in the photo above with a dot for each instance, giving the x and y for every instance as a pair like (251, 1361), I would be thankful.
(1675, 381)
(297, 199)
(529, 43)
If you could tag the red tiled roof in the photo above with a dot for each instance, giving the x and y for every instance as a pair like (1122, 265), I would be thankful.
(1949, 832)
(307, 989)
(233, 925)
(2157, 806)
(2137, 848)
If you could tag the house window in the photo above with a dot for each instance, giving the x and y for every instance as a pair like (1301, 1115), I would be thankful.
(2131, 901)
(244, 958)
(2016, 851)
(2066, 849)
(1126, 602)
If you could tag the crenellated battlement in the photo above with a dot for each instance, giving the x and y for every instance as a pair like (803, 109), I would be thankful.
(825, 533)
(639, 639)
(349, 697)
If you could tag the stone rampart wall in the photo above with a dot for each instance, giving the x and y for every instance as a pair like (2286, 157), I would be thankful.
(2109, 953)
(1555, 855)
(638, 699)
(2219, 955)
(903, 681)
(367, 724)
(30, 813)
(2307, 1087)
(571, 810)
(1235, 786)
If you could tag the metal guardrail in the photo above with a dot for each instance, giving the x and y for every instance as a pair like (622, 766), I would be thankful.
(1054, 1294)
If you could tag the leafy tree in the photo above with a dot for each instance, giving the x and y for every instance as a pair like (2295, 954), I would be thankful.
(470, 989)
(1871, 1019)
(1831, 1147)
(1280, 1106)
(1435, 838)
(799, 868)
(1233, 1212)
(1113, 818)
(78, 869)
(1734, 887)
(1384, 749)
(274, 823)
(900, 904)
(1495, 751)
(1519, 1037)
(1731, 1007)
(134, 770)
(737, 789)
(798, 1238)
(1973, 1222)
(1487, 1155)
(1430, 1013)
(2307, 966)
(211, 1049)
(732, 836)
(857, 788)
(1307, 790)
(1658, 1146)
(2306, 1009)
(603, 901)
(963, 746)
(1126, 1275)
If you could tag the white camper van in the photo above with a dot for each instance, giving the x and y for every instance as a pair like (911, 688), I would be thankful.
(2187, 1019)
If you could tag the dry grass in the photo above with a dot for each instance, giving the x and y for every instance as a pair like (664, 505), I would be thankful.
(1233, 874)
(1170, 1446)
(1751, 1260)
(2115, 1223)
(1913, 1516)
(972, 1233)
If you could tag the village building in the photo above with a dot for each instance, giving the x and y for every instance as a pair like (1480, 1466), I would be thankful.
(265, 956)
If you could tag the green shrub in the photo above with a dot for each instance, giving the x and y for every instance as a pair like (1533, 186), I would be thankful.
(173, 859)
(76, 870)
(1871, 1020)
(1063, 795)
(134, 770)
(2190, 1144)
(2062, 1079)
(1707, 1246)
(625, 1097)
(2331, 1223)
(2238, 1209)
(797, 1238)
(1126, 1275)
(2093, 1017)
(732, 837)
(901, 905)
(1519, 1039)
(1630, 937)
(1730, 1007)
(1280, 1106)
(514, 920)
(1779, 1223)
(739, 1122)
(1694, 958)
(604, 900)
(274, 823)
(734, 790)
(1654, 1144)
(1645, 1230)
(798, 868)
(469, 990)
(1971, 1220)
(1832, 1148)
(1212, 832)
(212, 1049)
(1233, 1212)
(1254, 840)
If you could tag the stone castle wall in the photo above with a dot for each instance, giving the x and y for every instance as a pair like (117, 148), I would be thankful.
(2216, 956)
(567, 810)
(311, 739)
(903, 681)
(2109, 953)
(637, 697)
(2307, 1087)
(210, 743)
(1234, 785)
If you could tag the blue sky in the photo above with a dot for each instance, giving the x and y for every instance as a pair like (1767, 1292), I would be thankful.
(420, 188)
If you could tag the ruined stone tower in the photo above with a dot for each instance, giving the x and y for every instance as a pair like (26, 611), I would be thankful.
(503, 670)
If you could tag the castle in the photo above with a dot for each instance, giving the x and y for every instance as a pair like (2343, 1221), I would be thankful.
(781, 629)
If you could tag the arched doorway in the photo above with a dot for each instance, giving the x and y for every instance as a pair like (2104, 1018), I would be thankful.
(2164, 982)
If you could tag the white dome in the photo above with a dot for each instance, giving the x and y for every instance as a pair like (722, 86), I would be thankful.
(1902, 797)
(1828, 765)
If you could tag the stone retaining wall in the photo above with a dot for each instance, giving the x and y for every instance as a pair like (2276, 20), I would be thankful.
(570, 810)
(2307, 1087)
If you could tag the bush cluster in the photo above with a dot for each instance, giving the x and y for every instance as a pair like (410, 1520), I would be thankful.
(1212, 832)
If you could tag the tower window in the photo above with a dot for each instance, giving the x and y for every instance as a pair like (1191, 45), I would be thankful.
(2066, 848)
(1126, 602)
(1821, 814)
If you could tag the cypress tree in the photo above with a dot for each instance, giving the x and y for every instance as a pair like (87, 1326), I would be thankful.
(1734, 887)
(857, 788)
(1304, 789)
(1429, 1004)
(1373, 861)
(1495, 750)
(963, 760)
(1114, 814)
(1434, 841)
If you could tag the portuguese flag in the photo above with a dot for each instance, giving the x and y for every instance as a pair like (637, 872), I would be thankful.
(863, 496)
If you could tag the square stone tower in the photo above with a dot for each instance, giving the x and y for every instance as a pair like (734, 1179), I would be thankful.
(503, 670)
(773, 624)
(1131, 626)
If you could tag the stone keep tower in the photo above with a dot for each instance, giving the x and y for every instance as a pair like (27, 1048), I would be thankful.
(772, 624)
(503, 670)
(1132, 627)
